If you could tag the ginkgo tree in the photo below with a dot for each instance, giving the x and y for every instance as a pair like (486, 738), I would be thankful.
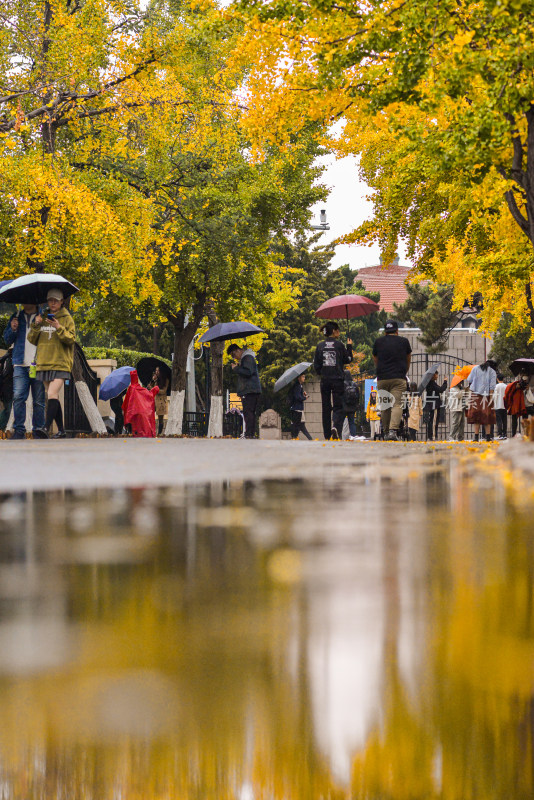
(449, 87)
(215, 206)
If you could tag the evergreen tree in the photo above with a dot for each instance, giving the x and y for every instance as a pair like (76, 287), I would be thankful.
(429, 308)
(511, 342)
(296, 333)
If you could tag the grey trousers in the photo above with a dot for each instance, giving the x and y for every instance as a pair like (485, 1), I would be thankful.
(457, 425)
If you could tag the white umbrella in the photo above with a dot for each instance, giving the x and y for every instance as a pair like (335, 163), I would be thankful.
(291, 374)
(35, 287)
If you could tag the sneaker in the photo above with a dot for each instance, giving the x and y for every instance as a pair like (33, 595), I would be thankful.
(354, 438)
(392, 437)
(18, 435)
(59, 435)
(334, 434)
(40, 433)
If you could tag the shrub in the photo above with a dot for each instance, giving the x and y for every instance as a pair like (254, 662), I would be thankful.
(123, 358)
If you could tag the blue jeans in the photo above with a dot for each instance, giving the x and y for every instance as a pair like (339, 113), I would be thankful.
(22, 383)
(351, 421)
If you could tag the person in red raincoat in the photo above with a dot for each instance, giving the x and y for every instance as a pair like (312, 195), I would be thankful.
(514, 401)
(139, 408)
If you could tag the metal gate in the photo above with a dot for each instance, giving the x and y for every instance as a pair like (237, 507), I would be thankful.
(419, 365)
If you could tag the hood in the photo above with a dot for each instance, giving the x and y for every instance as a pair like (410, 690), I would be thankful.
(134, 377)
(248, 353)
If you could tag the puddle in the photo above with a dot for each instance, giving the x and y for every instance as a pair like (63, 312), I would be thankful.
(368, 635)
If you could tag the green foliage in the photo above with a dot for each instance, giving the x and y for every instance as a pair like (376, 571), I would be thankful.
(124, 358)
(429, 308)
(296, 333)
(511, 342)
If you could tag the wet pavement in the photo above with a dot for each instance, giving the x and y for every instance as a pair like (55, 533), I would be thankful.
(348, 621)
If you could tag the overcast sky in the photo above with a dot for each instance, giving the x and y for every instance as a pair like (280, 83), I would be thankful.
(346, 208)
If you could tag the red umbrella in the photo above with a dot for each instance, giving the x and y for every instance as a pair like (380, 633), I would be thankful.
(347, 306)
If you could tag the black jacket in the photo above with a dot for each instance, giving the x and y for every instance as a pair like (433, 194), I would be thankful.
(248, 378)
(331, 357)
(433, 394)
(297, 397)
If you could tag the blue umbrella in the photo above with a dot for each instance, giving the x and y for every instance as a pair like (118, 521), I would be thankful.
(230, 330)
(115, 383)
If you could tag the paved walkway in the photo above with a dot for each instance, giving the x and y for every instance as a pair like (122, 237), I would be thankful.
(86, 463)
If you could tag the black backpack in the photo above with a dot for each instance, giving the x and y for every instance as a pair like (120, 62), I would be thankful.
(351, 395)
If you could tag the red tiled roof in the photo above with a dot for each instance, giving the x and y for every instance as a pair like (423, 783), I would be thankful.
(389, 281)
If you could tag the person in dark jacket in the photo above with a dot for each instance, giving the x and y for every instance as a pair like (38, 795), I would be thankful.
(297, 398)
(329, 362)
(351, 401)
(24, 380)
(432, 406)
(248, 385)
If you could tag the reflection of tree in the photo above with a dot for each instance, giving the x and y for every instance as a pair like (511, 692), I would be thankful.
(470, 733)
(178, 684)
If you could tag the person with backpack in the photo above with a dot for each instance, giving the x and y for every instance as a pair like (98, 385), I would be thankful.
(329, 362)
(297, 398)
(24, 379)
(351, 401)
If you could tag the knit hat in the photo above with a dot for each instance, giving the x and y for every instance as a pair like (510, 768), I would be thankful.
(54, 294)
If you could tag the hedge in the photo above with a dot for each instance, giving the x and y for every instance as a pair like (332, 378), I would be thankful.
(124, 358)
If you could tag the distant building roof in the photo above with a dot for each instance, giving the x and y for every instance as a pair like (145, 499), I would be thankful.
(390, 281)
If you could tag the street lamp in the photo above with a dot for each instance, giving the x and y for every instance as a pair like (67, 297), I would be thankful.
(324, 226)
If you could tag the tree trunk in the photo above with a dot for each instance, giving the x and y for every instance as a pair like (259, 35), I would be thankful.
(215, 426)
(183, 336)
(156, 336)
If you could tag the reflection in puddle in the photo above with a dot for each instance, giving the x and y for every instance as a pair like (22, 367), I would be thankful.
(365, 636)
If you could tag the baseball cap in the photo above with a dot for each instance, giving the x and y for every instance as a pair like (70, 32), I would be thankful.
(391, 326)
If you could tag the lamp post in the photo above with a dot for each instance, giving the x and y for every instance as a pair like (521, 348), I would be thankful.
(323, 226)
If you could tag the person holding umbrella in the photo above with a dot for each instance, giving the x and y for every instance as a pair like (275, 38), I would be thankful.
(24, 381)
(392, 355)
(248, 385)
(54, 337)
(297, 398)
(162, 382)
(329, 362)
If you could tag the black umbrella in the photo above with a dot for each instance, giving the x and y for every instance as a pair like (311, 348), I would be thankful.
(522, 365)
(427, 377)
(291, 374)
(146, 367)
(35, 287)
(229, 330)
